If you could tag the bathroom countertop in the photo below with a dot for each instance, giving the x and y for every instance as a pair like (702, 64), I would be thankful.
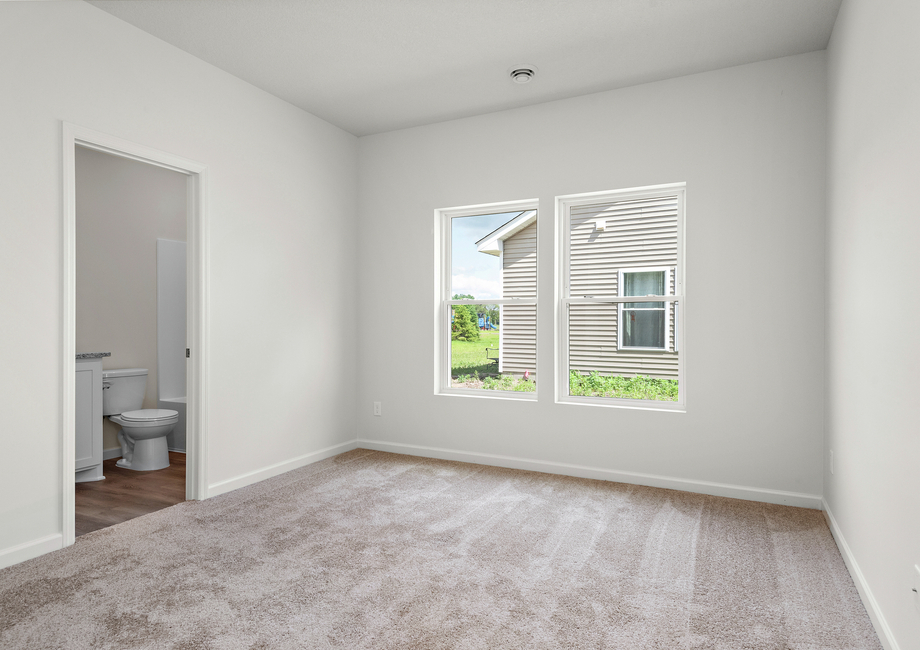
(93, 355)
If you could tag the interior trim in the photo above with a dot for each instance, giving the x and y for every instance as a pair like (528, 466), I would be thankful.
(865, 593)
(764, 495)
(197, 234)
(255, 476)
(28, 550)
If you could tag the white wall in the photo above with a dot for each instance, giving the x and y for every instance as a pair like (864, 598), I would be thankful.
(750, 143)
(282, 214)
(123, 206)
(873, 353)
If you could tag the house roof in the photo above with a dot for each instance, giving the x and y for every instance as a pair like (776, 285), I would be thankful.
(489, 244)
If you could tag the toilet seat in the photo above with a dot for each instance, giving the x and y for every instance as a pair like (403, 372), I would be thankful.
(149, 415)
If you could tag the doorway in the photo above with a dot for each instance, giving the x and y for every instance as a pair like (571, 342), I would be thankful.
(77, 139)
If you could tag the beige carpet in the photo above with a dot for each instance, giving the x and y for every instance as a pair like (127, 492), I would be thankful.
(375, 550)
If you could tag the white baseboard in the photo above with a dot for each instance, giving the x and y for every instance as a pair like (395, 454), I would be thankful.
(279, 468)
(780, 497)
(865, 593)
(28, 550)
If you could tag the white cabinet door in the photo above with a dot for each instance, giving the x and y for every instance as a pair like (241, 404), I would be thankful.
(89, 414)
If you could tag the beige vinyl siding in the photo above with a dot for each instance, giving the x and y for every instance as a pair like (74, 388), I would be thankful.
(519, 322)
(519, 264)
(519, 339)
(638, 234)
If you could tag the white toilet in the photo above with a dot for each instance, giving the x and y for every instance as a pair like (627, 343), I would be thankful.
(143, 431)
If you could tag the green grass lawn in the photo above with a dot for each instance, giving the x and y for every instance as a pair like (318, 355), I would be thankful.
(467, 357)
(469, 365)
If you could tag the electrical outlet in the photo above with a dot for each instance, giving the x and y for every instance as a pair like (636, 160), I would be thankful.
(832, 461)
(378, 411)
(915, 586)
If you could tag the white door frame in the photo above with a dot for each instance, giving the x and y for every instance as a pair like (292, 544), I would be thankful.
(196, 483)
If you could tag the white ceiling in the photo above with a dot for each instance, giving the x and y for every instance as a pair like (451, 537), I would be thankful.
(370, 66)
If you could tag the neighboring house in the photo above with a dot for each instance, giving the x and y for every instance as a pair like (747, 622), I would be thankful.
(624, 248)
(515, 244)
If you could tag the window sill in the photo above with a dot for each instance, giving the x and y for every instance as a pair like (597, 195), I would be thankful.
(634, 404)
(623, 348)
(513, 396)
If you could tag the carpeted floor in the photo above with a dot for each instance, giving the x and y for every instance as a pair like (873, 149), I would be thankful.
(376, 550)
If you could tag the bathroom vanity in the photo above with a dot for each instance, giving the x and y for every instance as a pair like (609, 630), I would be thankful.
(88, 432)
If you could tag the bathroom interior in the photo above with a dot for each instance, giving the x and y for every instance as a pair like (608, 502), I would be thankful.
(130, 317)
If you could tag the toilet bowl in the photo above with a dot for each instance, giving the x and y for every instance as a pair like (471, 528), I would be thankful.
(143, 438)
(143, 431)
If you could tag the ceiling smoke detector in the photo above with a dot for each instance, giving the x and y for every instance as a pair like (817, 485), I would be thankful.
(523, 75)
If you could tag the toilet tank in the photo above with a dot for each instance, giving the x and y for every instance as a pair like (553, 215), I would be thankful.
(123, 390)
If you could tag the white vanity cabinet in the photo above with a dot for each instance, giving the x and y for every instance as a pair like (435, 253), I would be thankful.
(88, 421)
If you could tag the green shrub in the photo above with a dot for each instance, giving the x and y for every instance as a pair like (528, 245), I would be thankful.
(639, 387)
(508, 382)
(490, 382)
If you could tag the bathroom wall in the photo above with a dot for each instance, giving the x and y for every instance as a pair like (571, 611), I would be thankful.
(123, 207)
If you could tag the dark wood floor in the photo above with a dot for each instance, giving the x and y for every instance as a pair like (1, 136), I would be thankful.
(126, 494)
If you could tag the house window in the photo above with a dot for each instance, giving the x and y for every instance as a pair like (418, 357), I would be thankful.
(643, 325)
(620, 282)
(486, 302)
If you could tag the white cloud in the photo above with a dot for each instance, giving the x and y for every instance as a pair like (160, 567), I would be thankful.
(473, 286)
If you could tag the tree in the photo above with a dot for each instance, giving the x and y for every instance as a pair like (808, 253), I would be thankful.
(465, 325)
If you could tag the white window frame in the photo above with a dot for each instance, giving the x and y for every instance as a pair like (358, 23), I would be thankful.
(667, 307)
(564, 206)
(442, 298)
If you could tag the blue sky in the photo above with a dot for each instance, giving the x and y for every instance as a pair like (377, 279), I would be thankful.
(473, 272)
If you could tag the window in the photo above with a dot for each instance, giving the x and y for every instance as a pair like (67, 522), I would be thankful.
(486, 302)
(643, 324)
(620, 282)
